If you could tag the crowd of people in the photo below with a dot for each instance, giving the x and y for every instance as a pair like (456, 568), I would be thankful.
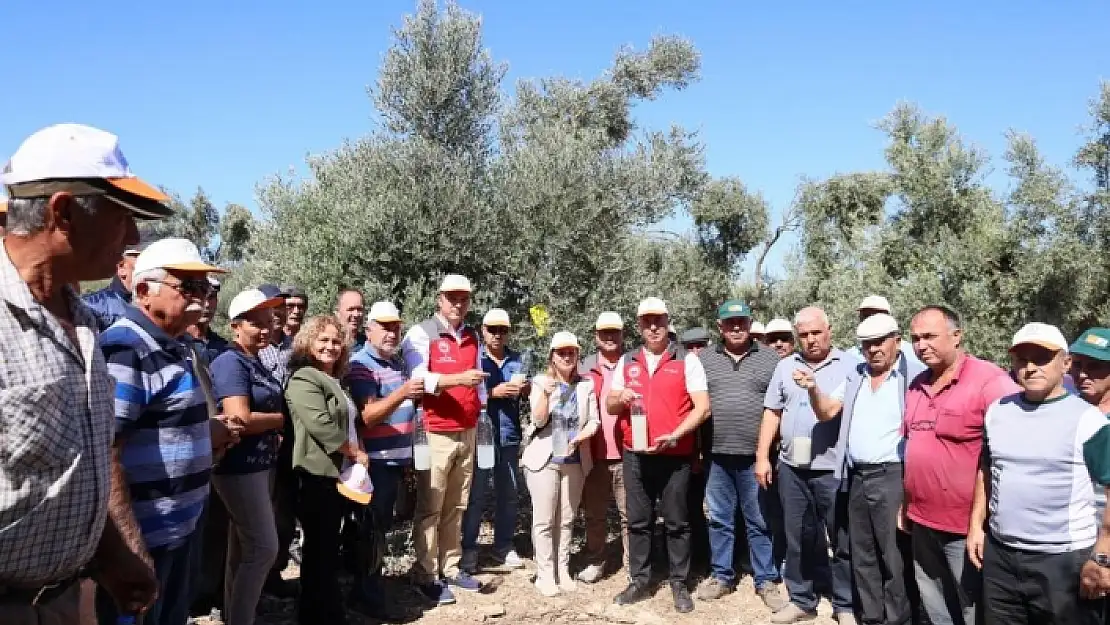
(906, 481)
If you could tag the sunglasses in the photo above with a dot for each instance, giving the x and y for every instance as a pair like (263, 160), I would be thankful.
(780, 338)
(192, 286)
(498, 330)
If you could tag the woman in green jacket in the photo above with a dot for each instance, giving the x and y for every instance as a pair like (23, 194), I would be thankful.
(321, 412)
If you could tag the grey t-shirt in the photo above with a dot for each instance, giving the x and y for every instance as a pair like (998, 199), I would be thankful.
(1042, 498)
(798, 419)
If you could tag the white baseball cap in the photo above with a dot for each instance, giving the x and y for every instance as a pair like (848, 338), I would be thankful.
(757, 328)
(179, 254)
(82, 160)
(454, 282)
(778, 325)
(564, 339)
(1043, 334)
(496, 317)
(651, 306)
(251, 299)
(609, 320)
(876, 326)
(875, 302)
(383, 312)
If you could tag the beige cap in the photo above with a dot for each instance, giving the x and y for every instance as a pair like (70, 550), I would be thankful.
(875, 302)
(757, 328)
(876, 326)
(778, 325)
(564, 339)
(383, 312)
(1043, 334)
(651, 306)
(251, 299)
(609, 320)
(454, 282)
(173, 253)
(497, 317)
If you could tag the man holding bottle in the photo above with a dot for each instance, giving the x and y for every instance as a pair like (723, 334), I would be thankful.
(660, 393)
(446, 354)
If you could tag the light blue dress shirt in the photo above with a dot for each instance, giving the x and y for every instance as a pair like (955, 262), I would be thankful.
(875, 432)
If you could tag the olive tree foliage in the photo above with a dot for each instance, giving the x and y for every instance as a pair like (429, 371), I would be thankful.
(222, 237)
(929, 230)
(551, 196)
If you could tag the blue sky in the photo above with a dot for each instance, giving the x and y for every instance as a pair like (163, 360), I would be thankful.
(205, 94)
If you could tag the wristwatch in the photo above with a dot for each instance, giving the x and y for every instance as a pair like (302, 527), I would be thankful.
(1101, 559)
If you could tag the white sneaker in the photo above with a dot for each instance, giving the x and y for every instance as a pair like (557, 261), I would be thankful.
(469, 561)
(566, 582)
(512, 560)
(547, 588)
(591, 574)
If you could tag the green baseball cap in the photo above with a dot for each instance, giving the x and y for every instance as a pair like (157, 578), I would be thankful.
(1094, 343)
(733, 308)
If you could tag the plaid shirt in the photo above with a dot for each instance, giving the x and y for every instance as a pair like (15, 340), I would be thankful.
(55, 436)
(276, 358)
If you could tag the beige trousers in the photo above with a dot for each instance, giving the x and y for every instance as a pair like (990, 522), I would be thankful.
(556, 490)
(604, 485)
(441, 497)
(64, 610)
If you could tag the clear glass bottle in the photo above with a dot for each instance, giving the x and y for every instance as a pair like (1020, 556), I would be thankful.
(484, 441)
(421, 453)
(639, 425)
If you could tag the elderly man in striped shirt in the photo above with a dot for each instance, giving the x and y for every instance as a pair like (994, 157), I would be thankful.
(164, 430)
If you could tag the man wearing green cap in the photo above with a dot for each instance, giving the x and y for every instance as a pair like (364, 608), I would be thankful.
(1090, 369)
(738, 371)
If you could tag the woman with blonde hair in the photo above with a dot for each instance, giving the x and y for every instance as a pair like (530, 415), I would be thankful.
(564, 414)
(322, 413)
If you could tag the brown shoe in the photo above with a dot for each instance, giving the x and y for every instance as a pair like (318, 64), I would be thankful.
(772, 597)
(792, 614)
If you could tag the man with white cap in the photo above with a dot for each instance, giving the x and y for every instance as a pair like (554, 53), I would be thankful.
(807, 484)
(200, 334)
(446, 354)
(668, 385)
(71, 211)
(109, 302)
(505, 384)
(878, 305)
(779, 336)
(871, 404)
(385, 396)
(758, 332)
(605, 481)
(1032, 521)
(165, 431)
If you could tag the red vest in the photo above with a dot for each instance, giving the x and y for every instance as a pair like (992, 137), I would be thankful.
(664, 396)
(454, 409)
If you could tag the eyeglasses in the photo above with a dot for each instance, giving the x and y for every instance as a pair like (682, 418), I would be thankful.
(192, 286)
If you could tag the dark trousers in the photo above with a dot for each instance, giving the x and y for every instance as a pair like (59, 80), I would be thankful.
(874, 496)
(387, 483)
(320, 512)
(285, 511)
(948, 583)
(646, 478)
(1028, 588)
(175, 568)
(805, 493)
(211, 557)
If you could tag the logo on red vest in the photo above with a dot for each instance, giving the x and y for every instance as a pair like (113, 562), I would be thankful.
(634, 371)
(444, 348)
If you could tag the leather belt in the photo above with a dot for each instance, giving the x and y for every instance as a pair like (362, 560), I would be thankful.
(36, 595)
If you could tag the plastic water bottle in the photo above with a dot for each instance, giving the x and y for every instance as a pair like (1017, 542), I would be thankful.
(486, 453)
(421, 453)
(639, 425)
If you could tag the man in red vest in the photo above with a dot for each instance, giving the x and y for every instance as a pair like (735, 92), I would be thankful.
(669, 385)
(445, 353)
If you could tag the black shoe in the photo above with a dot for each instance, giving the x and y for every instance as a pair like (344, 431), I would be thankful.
(275, 586)
(635, 593)
(682, 601)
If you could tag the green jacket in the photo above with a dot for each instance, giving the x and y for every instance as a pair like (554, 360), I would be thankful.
(319, 410)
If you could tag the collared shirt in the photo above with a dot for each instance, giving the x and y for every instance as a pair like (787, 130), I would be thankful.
(875, 433)
(737, 387)
(373, 377)
(944, 439)
(275, 357)
(238, 374)
(798, 418)
(108, 304)
(211, 346)
(162, 426)
(55, 436)
(905, 348)
(504, 412)
(415, 349)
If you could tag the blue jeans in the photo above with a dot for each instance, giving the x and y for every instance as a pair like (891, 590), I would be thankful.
(732, 487)
(175, 568)
(506, 477)
(808, 494)
(387, 483)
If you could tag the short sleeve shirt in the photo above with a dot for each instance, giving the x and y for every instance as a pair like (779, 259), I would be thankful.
(798, 418)
(237, 374)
